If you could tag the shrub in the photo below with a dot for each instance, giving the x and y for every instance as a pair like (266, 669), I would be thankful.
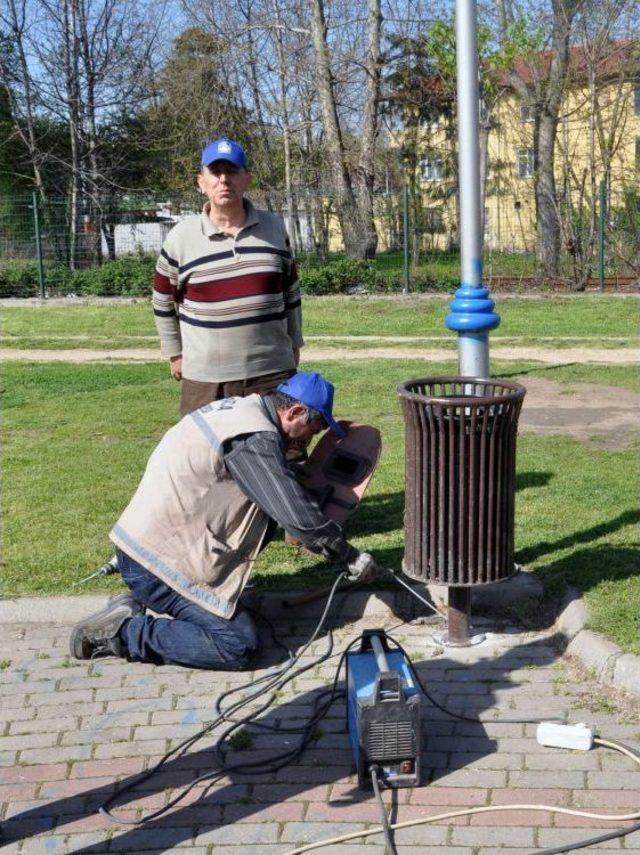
(19, 279)
(130, 275)
(341, 275)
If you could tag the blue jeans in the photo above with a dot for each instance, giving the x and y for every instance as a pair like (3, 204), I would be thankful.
(194, 637)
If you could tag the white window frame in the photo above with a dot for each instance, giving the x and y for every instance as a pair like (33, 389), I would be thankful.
(526, 111)
(432, 167)
(524, 163)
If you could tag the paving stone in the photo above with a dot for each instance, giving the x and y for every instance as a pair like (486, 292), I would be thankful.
(311, 832)
(539, 780)
(492, 836)
(125, 714)
(32, 756)
(242, 832)
(32, 740)
(548, 837)
(44, 725)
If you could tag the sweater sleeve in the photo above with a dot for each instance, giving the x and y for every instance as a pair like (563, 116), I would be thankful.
(165, 299)
(257, 464)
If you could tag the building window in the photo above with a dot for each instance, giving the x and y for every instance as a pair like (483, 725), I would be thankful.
(636, 99)
(431, 168)
(526, 111)
(434, 221)
(525, 163)
(430, 121)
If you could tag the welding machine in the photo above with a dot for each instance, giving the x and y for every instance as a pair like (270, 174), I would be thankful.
(383, 713)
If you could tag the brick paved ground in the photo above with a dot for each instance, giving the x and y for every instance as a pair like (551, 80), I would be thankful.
(70, 730)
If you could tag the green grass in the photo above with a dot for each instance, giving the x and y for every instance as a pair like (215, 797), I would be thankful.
(594, 318)
(77, 437)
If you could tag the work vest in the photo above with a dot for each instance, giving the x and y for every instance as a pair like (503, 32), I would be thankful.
(188, 522)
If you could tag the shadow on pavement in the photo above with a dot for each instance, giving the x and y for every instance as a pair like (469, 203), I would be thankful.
(468, 689)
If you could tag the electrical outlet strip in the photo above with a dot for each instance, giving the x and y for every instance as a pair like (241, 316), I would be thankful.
(554, 735)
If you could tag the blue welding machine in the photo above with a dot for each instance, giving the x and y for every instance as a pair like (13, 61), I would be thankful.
(383, 713)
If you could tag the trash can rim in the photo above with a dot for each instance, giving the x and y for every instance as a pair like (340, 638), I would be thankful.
(515, 390)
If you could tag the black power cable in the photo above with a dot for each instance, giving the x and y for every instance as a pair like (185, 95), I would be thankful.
(591, 841)
(323, 701)
(267, 683)
(391, 846)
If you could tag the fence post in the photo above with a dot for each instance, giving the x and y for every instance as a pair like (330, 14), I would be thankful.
(601, 232)
(405, 222)
(36, 228)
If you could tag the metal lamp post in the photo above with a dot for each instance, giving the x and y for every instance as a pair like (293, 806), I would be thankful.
(471, 314)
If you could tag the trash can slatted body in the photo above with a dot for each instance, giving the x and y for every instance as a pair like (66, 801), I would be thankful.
(460, 435)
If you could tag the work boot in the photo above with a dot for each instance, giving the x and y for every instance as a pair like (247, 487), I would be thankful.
(97, 635)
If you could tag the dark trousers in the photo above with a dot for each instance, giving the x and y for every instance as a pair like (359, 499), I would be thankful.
(194, 637)
(195, 393)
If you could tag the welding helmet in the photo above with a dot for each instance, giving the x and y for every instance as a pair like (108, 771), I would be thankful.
(312, 389)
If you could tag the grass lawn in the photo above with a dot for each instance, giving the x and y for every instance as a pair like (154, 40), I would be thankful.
(588, 319)
(76, 439)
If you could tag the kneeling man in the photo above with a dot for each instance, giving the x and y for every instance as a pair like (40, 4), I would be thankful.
(212, 493)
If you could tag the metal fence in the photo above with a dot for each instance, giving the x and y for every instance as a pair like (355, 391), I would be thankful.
(417, 237)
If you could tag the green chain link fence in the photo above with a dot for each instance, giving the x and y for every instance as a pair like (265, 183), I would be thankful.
(109, 245)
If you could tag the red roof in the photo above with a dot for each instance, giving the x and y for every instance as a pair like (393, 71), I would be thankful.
(609, 60)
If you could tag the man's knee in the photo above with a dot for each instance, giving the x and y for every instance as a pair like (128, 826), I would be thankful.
(244, 661)
(237, 643)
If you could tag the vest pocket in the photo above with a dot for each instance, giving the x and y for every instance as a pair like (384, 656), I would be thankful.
(217, 546)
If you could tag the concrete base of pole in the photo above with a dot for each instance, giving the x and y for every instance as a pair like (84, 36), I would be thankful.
(458, 620)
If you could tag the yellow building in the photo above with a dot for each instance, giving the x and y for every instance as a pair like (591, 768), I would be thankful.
(598, 138)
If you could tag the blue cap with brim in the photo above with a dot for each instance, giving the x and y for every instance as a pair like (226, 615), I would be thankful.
(224, 149)
(312, 389)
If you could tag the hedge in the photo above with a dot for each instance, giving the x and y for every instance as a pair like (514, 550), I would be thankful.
(131, 276)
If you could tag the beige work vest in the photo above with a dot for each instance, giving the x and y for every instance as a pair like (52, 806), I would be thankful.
(188, 522)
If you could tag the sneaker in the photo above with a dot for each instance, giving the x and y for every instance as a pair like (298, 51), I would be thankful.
(97, 635)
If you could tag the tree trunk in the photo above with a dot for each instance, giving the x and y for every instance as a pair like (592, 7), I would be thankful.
(366, 170)
(91, 133)
(549, 91)
(257, 103)
(548, 225)
(345, 201)
(24, 121)
(292, 209)
(71, 72)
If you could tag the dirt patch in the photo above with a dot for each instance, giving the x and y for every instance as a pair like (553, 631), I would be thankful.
(584, 411)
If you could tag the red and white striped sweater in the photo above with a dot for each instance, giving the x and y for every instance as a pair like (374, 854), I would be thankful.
(229, 305)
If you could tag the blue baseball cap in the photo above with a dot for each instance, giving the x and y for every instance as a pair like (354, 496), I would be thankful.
(224, 149)
(312, 389)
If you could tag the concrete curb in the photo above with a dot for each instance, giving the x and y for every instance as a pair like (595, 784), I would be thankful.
(610, 665)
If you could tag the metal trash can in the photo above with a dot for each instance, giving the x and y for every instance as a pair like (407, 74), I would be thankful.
(460, 435)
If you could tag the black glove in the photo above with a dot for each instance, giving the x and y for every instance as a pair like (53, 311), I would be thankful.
(363, 569)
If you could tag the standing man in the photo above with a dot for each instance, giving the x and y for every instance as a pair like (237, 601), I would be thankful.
(205, 508)
(225, 297)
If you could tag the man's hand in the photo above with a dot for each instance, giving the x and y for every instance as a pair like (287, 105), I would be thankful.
(175, 366)
(363, 569)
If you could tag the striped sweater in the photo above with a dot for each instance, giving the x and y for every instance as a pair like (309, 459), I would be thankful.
(229, 305)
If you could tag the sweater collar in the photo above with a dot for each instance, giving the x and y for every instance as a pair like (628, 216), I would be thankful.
(210, 229)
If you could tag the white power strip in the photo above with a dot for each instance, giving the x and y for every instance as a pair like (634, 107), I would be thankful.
(554, 735)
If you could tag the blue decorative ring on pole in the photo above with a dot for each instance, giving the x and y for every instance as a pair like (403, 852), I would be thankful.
(472, 310)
